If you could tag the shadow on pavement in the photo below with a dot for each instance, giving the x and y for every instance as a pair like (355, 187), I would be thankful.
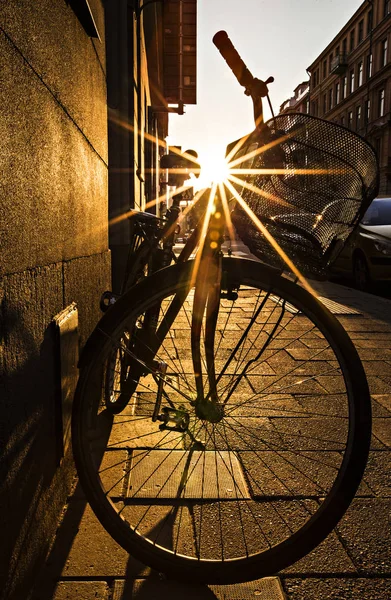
(66, 533)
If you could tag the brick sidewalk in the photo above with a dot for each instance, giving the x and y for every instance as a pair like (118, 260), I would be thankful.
(354, 562)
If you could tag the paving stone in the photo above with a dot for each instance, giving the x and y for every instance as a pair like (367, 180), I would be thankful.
(377, 385)
(372, 354)
(360, 335)
(386, 377)
(378, 473)
(360, 325)
(379, 406)
(381, 428)
(384, 400)
(304, 354)
(329, 557)
(95, 553)
(371, 343)
(375, 367)
(333, 383)
(81, 590)
(268, 588)
(366, 534)
(312, 433)
(314, 367)
(337, 589)
(376, 443)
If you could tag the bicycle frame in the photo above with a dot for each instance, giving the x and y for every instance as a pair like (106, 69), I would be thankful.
(208, 272)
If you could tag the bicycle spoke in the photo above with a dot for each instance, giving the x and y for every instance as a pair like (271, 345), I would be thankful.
(244, 478)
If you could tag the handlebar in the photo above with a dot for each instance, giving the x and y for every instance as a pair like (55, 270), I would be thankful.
(235, 62)
(232, 58)
(256, 88)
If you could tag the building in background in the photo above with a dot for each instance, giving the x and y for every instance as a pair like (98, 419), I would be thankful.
(151, 66)
(350, 81)
(85, 88)
(299, 102)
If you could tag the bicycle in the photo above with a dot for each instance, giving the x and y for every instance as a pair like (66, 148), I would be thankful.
(245, 417)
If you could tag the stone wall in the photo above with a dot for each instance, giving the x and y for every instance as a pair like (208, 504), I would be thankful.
(54, 251)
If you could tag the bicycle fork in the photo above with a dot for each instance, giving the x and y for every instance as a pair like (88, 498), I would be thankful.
(207, 301)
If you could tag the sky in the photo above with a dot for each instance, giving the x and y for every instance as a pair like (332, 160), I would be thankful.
(274, 37)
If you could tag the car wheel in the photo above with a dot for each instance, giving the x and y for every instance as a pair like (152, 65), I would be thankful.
(361, 275)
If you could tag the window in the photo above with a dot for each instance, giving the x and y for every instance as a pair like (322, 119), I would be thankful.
(330, 99)
(307, 106)
(367, 111)
(324, 103)
(360, 71)
(369, 22)
(383, 53)
(351, 40)
(344, 87)
(369, 66)
(324, 68)
(352, 81)
(387, 7)
(345, 46)
(343, 121)
(350, 119)
(381, 97)
(314, 77)
(358, 117)
(337, 91)
(361, 31)
(330, 61)
(378, 213)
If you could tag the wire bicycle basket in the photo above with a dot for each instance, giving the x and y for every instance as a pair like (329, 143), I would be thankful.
(324, 181)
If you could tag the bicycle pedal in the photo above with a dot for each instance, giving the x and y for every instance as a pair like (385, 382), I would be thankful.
(198, 445)
(230, 295)
(107, 299)
(180, 418)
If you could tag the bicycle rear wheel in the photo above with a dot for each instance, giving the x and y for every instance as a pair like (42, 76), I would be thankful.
(245, 496)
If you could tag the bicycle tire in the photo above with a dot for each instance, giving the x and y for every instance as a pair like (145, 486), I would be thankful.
(292, 452)
(116, 402)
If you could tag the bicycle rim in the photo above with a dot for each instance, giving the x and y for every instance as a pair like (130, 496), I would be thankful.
(248, 495)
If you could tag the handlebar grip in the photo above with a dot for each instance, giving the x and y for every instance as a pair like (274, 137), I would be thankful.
(232, 58)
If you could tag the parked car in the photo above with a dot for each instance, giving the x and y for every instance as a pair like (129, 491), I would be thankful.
(367, 253)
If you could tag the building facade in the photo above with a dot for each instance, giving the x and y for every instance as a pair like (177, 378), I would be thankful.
(299, 102)
(84, 93)
(350, 81)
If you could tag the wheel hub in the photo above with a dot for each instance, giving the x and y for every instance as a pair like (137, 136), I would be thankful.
(209, 410)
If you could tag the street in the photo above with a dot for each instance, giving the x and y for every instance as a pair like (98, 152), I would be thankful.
(354, 560)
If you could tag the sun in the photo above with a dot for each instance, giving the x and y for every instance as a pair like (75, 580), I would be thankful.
(214, 169)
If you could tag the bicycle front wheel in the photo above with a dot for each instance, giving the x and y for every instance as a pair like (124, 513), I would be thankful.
(245, 494)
